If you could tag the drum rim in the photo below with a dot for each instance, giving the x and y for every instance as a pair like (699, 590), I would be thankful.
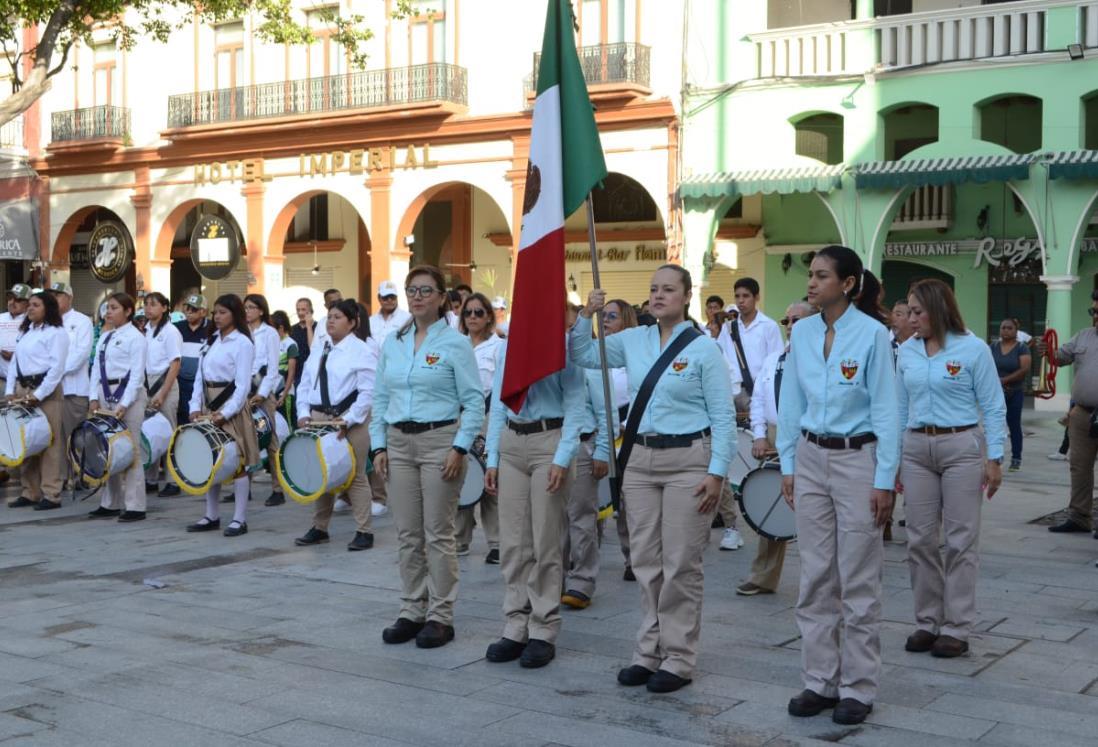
(482, 462)
(291, 488)
(27, 413)
(770, 466)
(184, 484)
(90, 480)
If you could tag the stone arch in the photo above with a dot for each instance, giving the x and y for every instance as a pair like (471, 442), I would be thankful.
(162, 249)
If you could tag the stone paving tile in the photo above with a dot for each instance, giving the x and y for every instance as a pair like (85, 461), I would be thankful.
(1042, 671)
(1052, 720)
(1014, 735)
(303, 732)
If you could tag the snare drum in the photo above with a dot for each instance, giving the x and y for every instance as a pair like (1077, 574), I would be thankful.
(24, 432)
(742, 461)
(200, 455)
(156, 434)
(100, 447)
(314, 461)
(763, 506)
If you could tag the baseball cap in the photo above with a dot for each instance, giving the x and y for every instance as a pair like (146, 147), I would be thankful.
(732, 309)
(499, 303)
(195, 301)
(60, 287)
(139, 313)
(387, 288)
(22, 291)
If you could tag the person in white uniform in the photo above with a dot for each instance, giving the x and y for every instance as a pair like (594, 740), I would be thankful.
(163, 358)
(390, 317)
(265, 378)
(74, 386)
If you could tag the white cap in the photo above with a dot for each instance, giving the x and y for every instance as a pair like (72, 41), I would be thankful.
(387, 288)
(732, 309)
(499, 303)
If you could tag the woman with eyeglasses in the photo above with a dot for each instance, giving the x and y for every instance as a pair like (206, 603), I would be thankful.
(426, 380)
(1012, 361)
(265, 377)
(479, 324)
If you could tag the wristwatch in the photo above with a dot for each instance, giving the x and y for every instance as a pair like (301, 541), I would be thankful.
(375, 452)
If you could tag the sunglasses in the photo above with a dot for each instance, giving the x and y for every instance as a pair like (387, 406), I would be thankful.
(788, 321)
(423, 291)
(478, 313)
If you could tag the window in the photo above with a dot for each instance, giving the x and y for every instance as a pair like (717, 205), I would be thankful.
(1090, 123)
(229, 52)
(909, 127)
(326, 57)
(623, 200)
(1013, 122)
(785, 13)
(427, 32)
(602, 22)
(891, 7)
(820, 136)
(105, 88)
(311, 221)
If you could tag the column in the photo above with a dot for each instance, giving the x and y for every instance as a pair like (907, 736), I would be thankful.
(699, 226)
(141, 198)
(1058, 317)
(41, 191)
(253, 194)
(381, 239)
(520, 145)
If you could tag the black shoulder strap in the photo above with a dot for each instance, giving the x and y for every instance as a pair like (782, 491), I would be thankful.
(747, 382)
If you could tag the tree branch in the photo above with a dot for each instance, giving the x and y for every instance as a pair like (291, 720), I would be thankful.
(37, 81)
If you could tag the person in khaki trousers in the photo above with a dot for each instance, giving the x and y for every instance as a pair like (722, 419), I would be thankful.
(426, 379)
(672, 480)
(34, 375)
(947, 384)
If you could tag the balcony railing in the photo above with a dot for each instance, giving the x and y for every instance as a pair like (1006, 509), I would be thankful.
(928, 206)
(92, 123)
(11, 134)
(436, 81)
(808, 50)
(621, 62)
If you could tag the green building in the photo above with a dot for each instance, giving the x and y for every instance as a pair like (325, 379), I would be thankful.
(935, 140)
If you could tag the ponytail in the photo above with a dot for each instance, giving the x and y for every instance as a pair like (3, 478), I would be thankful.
(867, 298)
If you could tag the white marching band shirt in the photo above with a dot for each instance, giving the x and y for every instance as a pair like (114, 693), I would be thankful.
(163, 348)
(79, 328)
(351, 365)
(266, 355)
(228, 359)
(124, 350)
(41, 349)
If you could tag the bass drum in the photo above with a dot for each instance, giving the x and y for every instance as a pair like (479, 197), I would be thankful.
(763, 506)
(156, 435)
(24, 432)
(314, 461)
(742, 461)
(99, 447)
(472, 488)
(201, 455)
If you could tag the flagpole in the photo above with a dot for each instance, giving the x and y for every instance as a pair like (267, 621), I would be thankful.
(606, 389)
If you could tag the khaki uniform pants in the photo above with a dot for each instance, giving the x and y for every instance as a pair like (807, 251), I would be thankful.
(842, 553)
(579, 540)
(423, 507)
(667, 539)
(1082, 451)
(359, 494)
(622, 522)
(41, 475)
(73, 413)
(488, 508)
(942, 477)
(169, 410)
(126, 489)
(766, 568)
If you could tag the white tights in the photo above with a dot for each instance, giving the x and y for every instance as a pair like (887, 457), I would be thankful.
(241, 488)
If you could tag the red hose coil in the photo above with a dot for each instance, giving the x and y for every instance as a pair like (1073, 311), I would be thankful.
(1047, 385)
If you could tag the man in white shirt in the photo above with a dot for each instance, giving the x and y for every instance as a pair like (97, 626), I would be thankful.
(499, 308)
(389, 317)
(18, 298)
(75, 385)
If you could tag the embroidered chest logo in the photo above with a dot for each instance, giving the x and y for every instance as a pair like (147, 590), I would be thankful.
(849, 368)
(953, 368)
(679, 365)
(432, 358)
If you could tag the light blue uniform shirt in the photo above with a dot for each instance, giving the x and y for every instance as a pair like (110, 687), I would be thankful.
(953, 387)
(428, 385)
(558, 395)
(594, 415)
(850, 393)
(693, 394)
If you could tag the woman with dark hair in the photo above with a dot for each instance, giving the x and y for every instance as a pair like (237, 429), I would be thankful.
(34, 375)
(426, 380)
(118, 387)
(948, 384)
(672, 479)
(338, 385)
(163, 357)
(288, 361)
(838, 438)
(265, 378)
(221, 387)
(1012, 361)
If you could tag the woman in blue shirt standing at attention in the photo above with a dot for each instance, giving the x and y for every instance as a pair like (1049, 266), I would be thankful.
(947, 383)
(838, 438)
(426, 380)
(673, 478)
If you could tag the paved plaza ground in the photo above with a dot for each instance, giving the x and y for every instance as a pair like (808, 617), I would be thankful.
(253, 641)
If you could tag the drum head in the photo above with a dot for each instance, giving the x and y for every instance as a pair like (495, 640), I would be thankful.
(193, 456)
(763, 506)
(300, 465)
(89, 450)
(11, 433)
(472, 489)
(742, 461)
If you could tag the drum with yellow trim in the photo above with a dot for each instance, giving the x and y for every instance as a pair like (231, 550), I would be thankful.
(202, 454)
(314, 461)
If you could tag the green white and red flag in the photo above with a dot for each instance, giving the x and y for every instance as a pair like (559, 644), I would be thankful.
(566, 162)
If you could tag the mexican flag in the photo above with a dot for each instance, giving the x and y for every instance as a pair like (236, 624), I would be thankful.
(565, 163)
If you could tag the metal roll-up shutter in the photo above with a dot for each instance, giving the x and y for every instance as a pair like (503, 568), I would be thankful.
(88, 291)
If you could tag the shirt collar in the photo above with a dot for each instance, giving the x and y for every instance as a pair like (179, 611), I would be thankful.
(231, 336)
(847, 318)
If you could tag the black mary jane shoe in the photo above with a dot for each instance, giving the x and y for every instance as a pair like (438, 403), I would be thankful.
(810, 703)
(104, 513)
(205, 524)
(504, 650)
(275, 499)
(634, 675)
(402, 631)
(850, 712)
(666, 682)
(236, 528)
(129, 516)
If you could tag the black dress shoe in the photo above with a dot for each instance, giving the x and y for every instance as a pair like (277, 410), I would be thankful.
(504, 650)
(402, 631)
(46, 505)
(236, 528)
(809, 703)
(628, 575)
(312, 537)
(634, 675)
(230, 498)
(666, 682)
(920, 641)
(718, 522)
(362, 541)
(434, 634)
(128, 516)
(492, 558)
(275, 499)
(21, 502)
(205, 524)
(948, 647)
(1068, 526)
(151, 487)
(169, 491)
(850, 711)
(537, 653)
(104, 513)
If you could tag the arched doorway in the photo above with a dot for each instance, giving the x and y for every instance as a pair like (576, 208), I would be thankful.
(174, 243)
(71, 249)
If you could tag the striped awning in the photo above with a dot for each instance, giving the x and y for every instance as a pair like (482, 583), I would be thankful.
(1072, 164)
(822, 178)
(937, 171)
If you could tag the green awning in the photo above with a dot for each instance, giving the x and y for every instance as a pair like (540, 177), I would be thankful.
(1072, 164)
(919, 172)
(822, 178)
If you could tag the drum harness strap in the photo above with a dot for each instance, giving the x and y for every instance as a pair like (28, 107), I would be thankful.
(741, 357)
(257, 379)
(229, 386)
(326, 406)
(29, 382)
(115, 396)
(640, 404)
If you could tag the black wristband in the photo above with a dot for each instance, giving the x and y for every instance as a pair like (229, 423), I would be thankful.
(460, 450)
(375, 452)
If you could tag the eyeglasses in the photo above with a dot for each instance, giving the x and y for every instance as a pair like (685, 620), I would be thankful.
(251, 306)
(788, 321)
(478, 313)
(611, 316)
(423, 291)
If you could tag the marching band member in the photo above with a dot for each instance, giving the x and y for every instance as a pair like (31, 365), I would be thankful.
(672, 481)
(75, 385)
(265, 376)
(338, 385)
(530, 454)
(163, 358)
(290, 361)
(948, 383)
(195, 329)
(35, 372)
(479, 323)
(119, 389)
(838, 438)
(766, 568)
(222, 381)
(426, 379)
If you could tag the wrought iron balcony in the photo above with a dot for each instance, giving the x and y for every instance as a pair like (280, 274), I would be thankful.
(417, 84)
(92, 123)
(621, 62)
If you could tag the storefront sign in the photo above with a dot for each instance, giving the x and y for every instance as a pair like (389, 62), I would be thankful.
(988, 250)
(110, 251)
(360, 160)
(1010, 253)
(639, 253)
(247, 170)
(18, 229)
(215, 247)
(923, 249)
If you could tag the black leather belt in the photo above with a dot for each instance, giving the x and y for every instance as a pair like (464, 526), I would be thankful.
(31, 382)
(679, 441)
(217, 383)
(585, 437)
(538, 426)
(941, 430)
(114, 382)
(411, 426)
(839, 442)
